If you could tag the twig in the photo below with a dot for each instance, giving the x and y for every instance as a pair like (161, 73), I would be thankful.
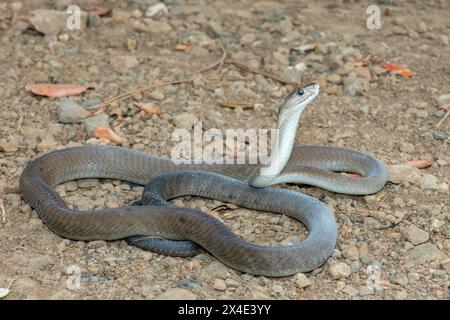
(443, 119)
(257, 71)
(2, 211)
(233, 105)
(217, 63)
(131, 93)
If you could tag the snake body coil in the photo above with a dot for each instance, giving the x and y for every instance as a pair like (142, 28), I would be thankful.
(313, 165)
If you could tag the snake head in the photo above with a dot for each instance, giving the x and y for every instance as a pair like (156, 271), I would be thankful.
(300, 97)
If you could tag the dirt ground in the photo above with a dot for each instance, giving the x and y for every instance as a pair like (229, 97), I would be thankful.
(391, 245)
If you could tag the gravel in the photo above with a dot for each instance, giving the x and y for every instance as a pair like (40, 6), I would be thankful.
(415, 235)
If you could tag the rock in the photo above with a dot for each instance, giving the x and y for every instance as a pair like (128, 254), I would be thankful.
(52, 21)
(46, 144)
(351, 253)
(354, 86)
(439, 114)
(184, 120)
(158, 26)
(444, 39)
(440, 135)
(300, 67)
(429, 182)
(40, 262)
(157, 10)
(219, 284)
(291, 75)
(87, 183)
(301, 280)
(247, 38)
(69, 111)
(281, 57)
(399, 173)
(406, 147)
(177, 294)
(101, 120)
(425, 252)
(339, 270)
(443, 101)
(124, 63)
(157, 95)
(334, 79)
(415, 235)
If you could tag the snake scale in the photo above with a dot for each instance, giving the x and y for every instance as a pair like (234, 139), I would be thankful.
(158, 225)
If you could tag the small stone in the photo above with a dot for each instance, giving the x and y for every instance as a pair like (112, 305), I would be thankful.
(158, 26)
(94, 122)
(157, 95)
(406, 147)
(300, 67)
(354, 86)
(439, 114)
(351, 253)
(71, 186)
(177, 294)
(124, 63)
(248, 38)
(46, 144)
(219, 284)
(87, 183)
(339, 270)
(157, 10)
(430, 182)
(184, 120)
(443, 101)
(69, 111)
(53, 21)
(301, 280)
(402, 173)
(422, 114)
(334, 79)
(291, 75)
(281, 57)
(444, 39)
(425, 253)
(440, 135)
(415, 235)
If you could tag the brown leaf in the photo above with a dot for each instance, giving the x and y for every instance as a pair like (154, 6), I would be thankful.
(100, 11)
(108, 134)
(56, 90)
(8, 147)
(420, 164)
(363, 72)
(233, 105)
(183, 47)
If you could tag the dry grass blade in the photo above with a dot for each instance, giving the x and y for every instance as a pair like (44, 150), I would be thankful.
(218, 63)
(241, 65)
(233, 105)
(2, 211)
(439, 124)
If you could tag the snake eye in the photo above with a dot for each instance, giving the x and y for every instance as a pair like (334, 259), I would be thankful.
(300, 92)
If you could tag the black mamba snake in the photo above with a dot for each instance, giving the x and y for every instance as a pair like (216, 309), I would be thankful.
(160, 226)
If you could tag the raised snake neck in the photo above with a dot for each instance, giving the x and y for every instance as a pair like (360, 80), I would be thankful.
(313, 165)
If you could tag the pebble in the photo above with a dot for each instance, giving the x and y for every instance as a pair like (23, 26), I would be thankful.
(425, 252)
(339, 270)
(69, 111)
(351, 252)
(101, 120)
(439, 114)
(177, 294)
(124, 63)
(157, 10)
(402, 173)
(157, 95)
(158, 26)
(334, 79)
(53, 21)
(184, 120)
(443, 100)
(301, 280)
(415, 235)
(354, 86)
(444, 39)
(429, 182)
(87, 183)
(291, 75)
(219, 284)
(406, 147)
(247, 38)
(440, 135)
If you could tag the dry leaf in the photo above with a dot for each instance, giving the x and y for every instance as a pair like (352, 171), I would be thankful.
(363, 72)
(306, 47)
(183, 47)
(8, 147)
(108, 134)
(131, 44)
(394, 69)
(420, 164)
(152, 110)
(100, 11)
(56, 90)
